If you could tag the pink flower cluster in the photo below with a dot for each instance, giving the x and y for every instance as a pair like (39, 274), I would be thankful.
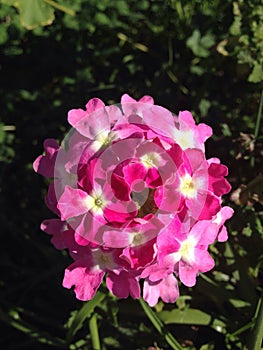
(136, 198)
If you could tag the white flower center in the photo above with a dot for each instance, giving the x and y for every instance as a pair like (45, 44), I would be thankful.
(150, 160)
(102, 261)
(187, 187)
(103, 139)
(95, 203)
(138, 239)
(185, 139)
(187, 250)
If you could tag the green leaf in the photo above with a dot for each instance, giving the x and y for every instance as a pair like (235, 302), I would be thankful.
(191, 316)
(256, 75)
(238, 303)
(187, 316)
(84, 313)
(204, 106)
(200, 45)
(102, 19)
(33, 13)
(207, 347)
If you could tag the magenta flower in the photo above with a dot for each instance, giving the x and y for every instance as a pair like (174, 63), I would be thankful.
(136, 199)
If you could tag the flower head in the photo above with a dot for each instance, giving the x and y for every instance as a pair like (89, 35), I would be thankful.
(136, 199)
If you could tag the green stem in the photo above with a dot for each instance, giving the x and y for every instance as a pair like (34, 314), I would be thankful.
(259, 115)
(157, 323)
(256, 132)
(60, 7)
(93, 326)
(257, 331)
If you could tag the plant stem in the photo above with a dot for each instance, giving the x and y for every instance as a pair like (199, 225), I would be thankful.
(95, 339)
(259, 115)
(157, 323)
(60, 7)
(256, 132)
(257, 331)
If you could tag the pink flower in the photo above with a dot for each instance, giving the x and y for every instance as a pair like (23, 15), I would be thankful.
(136, 199)
(45, 164)
(186, 252)
(158, 283)
(188, 134)
(87, 273)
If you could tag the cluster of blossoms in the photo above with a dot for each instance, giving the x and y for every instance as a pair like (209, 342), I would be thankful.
(136, 198)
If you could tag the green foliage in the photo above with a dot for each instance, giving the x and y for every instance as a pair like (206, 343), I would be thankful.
(247, 28)
(204, 56)
(200, 45)
(34, 13)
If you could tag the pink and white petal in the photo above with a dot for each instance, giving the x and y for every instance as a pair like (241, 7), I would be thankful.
(94, 104)
(187, 274)
(203, 260)
(217, 184)
(221, 187)
(224, 214)
(186, 117)
(204, 206)
(123, 284)
(204, 132)
(167, 242)
(160, 120)
(139, 256)
(127, 99)
(88, 229)
(151, 292)
(116, 238)
(131, 107)
(116, 116)
(204, 232)
(166, 288)
(125, 130)
(45, 164)
(222, 235)
(217, 170)
(153, 178)
(168, 198)
(76, 146)
(134, 171)
(85, 280)
(120, 187)
(120, 212)
(176, 154)
(73, 202)
(59, 231)
(51, 198)
(75, 115)
(80, 240)
(94, 125)
(196, 159)
(200, 132)
(155, 272)
(147, 99)
(210, 208)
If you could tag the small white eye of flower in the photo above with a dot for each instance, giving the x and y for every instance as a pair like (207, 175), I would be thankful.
(188, 187)
(150, 160)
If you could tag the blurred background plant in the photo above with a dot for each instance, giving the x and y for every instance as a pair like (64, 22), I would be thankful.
(205, 56)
